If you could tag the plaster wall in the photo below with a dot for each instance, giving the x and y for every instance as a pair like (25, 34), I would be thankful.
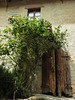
(57, 13)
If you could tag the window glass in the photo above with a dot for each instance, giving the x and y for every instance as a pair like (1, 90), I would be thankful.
(37, 15)
(31, 15)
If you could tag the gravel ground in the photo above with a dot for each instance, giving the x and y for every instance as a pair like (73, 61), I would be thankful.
(47, 97)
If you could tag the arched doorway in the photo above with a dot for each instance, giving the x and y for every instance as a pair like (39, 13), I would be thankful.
(56, 73)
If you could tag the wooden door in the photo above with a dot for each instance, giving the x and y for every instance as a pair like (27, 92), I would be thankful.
(56, 73)
(63, 84)
(48, 72)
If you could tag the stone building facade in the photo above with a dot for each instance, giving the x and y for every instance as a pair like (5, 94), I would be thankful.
(58, 12)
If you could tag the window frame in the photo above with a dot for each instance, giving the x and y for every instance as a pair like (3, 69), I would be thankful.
(35, 9)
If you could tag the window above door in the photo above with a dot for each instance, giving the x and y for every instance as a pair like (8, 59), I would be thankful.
(34, 13)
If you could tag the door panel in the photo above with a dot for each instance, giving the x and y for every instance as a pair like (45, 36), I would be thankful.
(63, 73)
(48, 72)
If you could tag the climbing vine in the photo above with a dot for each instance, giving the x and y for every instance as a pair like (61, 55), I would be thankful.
(27, 40)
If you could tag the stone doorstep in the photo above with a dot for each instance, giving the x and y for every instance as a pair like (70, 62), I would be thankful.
(47, 97)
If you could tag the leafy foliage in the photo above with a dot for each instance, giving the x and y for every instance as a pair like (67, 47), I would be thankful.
(27, 40)
(6, 83)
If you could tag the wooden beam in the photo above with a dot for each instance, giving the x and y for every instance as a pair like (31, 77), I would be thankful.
(62, 1)
(6, 2)
(34, 7)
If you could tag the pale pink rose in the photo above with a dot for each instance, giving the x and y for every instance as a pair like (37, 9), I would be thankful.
(49, 28)
(10, 17)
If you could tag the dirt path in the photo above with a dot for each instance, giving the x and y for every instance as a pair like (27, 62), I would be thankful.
(47, 97)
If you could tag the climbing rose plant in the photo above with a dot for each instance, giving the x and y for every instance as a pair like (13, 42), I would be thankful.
(27, 40)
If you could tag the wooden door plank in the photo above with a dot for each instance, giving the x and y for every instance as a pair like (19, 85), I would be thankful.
(52, 74)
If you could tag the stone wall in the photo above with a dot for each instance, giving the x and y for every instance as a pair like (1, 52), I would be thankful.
(57, 13)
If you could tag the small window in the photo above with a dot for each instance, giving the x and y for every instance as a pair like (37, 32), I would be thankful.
(34, 13)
